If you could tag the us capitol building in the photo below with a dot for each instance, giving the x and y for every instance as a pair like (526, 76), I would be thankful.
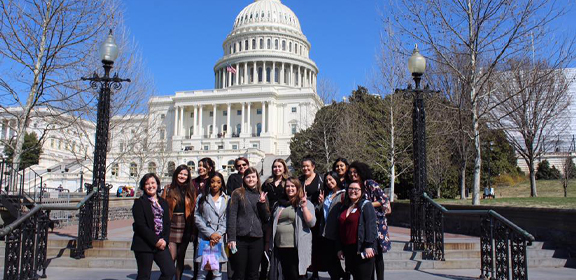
(264, 92)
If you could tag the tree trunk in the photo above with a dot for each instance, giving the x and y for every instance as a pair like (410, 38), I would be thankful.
(393, 156)
(533, 192)
(477, 160)
(463, 179)
(392, 176)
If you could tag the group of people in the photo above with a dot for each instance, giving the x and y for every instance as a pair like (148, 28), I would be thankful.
(281, 228)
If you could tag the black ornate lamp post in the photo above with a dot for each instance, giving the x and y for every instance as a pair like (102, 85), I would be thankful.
(108, 53)
(417, 66)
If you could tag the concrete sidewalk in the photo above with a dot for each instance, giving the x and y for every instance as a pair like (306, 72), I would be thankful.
(456, 274)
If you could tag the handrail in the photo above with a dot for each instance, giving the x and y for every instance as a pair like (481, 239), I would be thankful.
(492, 213)
(7, 229)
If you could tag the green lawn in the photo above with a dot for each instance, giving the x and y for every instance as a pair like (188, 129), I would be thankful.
(550, 195)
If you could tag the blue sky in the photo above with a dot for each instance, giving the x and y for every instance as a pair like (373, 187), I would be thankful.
(181, 40)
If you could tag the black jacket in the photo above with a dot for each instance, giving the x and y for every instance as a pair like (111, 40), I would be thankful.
(245, 217)
(234, 182)
(367, 227)
(145, 237)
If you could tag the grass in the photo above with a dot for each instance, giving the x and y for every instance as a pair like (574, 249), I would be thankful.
(550, 195)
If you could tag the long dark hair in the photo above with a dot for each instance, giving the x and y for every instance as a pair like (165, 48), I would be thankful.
(363, 170)
(208, 162)
(299, 192)
(343, 160)
(285, 175)
(206, 191)
(175, 189)
(145, 178)
(348, 201)
(334, 175)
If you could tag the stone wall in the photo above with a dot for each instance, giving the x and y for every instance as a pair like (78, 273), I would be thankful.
(554, 225)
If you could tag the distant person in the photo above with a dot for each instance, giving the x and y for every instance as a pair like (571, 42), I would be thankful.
(60, 188)
(210, 219)
(119, 192)
(181, 199)
(151, 231)
(356, 233)
(247, 212)
(291, 238)
(235, 179)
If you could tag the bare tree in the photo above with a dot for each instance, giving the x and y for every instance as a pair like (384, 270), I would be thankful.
(485, 32)
(327, 90)
(569, 172)
(533, 99)
(46, 44)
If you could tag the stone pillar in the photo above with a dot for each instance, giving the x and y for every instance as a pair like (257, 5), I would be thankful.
(214, 130)
(242, 124)
(176, 111)
(282, 74)
(254, 78)
(249, 125)
(291, 77)
(299, 79)
(273, 73)
(229, 75)
(195, 123)
(264, 73)
(181, 129)
(200, 124)
(228, 127)
(237, 73)
(245, 73)
(264, 117)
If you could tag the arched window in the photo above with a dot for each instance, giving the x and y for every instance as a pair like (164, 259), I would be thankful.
(259, 74)
(283, 45)
(151, 167)
(261, 43)
(133, 169)
(268, 72)
(171, 168)
(253, 44)
(290, 47)
(276, 44)
(191, 165)
(258, 129)
(269, 44)
(246, 45)
(239, 46)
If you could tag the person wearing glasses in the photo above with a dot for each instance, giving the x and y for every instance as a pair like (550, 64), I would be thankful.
(360, 173)
(235, 180)
(356, 233)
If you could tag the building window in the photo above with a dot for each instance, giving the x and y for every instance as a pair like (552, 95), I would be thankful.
(152, 167)
(238, 112)
(206, 147)
(234, 147)
(220, 147)
(133, 169)
(259, 74)
(162, 134)
(290, 47)
(283, 45)
(268, 72)
(253, 44)
(258, 111)
(162, 116)
(171, 168)
(115, 169)
(192, 115)
(255, 145)
(191, 165)
(293, 109)
(276, 44)
(269, 44)
(246, 45)
(225, 113)
(211, 113)
(261, 43)
(225, 128)
(294, 128)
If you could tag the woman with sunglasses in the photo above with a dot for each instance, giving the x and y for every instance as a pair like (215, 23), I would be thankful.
(235, 180)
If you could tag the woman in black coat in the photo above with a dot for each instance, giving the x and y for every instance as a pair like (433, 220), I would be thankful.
(151, 230)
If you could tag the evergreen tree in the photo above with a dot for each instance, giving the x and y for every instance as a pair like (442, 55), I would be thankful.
(31, 151)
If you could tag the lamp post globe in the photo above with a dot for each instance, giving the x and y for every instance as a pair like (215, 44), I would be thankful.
(109, 49)
(416, 65)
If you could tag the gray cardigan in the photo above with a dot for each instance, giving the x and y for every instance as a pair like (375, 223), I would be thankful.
(302, 240)
(209, 221)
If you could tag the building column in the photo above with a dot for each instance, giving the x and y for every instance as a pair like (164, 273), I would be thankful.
(290, 77)
(195, 123)
(200, 125)
(264, 117)
(299, 79)
(273, 73)
(237, 73)
(181, 125)
(245, 73)
(214, 130)
(176, 111)
(229, 75)
(254, 71)
(264, 74)
(282, 74)
(242, 124)
(249, 128)
(228, 127)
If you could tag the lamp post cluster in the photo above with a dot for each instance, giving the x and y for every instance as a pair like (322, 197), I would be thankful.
(417, 66)
(105, 84)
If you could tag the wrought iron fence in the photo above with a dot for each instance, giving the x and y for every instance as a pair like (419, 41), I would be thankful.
(502, 243)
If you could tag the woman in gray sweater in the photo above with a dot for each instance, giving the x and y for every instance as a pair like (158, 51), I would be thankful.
(246, 213)
(291, 238)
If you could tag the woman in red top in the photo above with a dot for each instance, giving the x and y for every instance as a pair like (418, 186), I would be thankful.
(357, 233)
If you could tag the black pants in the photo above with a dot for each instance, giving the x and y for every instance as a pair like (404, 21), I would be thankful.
(264, 265)
(289, 261)
(358, 267)
(161, 258)
(379, 266)
(247, 260)
(331, 260)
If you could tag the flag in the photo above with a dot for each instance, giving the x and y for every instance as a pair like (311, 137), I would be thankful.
(231, 69)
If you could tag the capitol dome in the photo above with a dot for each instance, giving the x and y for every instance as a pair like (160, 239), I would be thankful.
(266, 46)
